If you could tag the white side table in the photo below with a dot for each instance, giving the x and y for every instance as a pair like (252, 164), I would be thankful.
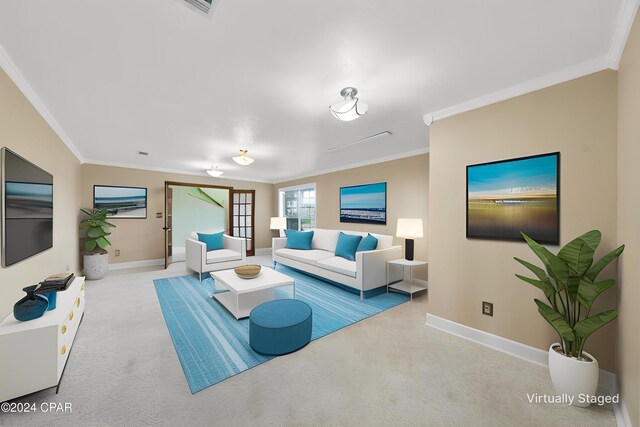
(409, 286)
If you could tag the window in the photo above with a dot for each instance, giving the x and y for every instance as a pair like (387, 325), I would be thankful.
(298, 205)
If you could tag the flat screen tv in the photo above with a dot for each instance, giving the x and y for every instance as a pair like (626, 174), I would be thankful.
(365, 204)
(27, 209)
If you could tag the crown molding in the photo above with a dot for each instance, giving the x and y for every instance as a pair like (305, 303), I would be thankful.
(624, 21)
(7, 64)
(355, 165)
(176, 171)
(561, 76)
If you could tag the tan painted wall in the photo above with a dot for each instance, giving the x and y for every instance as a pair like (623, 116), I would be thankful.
(407, 196)
(23, 130)
(577, 118)
(628, 338)
(143, 239)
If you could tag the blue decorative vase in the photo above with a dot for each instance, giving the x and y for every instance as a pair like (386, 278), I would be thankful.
(52, 297)
(31, 306)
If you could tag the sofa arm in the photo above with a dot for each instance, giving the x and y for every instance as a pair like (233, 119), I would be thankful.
(238, 244)
(372, 266)
(277, 243)
(195, 255)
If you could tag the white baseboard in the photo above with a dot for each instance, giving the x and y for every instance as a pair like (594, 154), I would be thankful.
(263, 251)
(607, 380)
(136, 264)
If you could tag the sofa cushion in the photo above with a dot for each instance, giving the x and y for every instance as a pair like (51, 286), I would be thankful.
(325, 239)
(213, 241)
(222, 255)
(311, 256)
(347, 245)
(339, 265)
(298, 239)
(368, 243)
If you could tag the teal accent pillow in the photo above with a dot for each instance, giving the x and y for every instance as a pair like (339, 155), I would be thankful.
(213, 241)
(368, 243)
(298, 239)
(347, 245)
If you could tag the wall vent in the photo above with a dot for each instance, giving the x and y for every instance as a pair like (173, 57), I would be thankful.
(203, 5)
(360, 141)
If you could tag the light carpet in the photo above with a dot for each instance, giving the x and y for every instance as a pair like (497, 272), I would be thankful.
(213, 346)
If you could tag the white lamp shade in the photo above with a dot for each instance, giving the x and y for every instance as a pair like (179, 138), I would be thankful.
(243, 160)
(278, 223)
(215, 172)
(410, 228)
(348, 110)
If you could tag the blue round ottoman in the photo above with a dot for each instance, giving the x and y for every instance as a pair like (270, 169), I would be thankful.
(280, 327)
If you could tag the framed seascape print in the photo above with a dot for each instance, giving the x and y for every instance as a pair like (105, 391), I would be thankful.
(365, 204)
(510, 196)
(121, 202)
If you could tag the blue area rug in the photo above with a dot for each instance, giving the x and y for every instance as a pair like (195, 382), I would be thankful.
(213, 346)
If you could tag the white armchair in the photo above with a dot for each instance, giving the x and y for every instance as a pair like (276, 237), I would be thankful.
(199, 260)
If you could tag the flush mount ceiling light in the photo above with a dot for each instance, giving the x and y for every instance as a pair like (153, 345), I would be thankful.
(215, 172)
(242, 159)
(349, 109)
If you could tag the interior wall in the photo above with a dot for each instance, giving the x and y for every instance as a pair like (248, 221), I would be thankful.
(143, 239)
(577, 118)
(628, 337)
(407, 196)
(191, 214)
(25, 132)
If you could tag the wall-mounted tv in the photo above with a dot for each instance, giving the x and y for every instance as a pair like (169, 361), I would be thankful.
(27, 208)
(365, 204)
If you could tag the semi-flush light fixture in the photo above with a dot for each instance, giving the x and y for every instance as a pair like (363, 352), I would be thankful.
(215, 172)
(242, 159)
(349, 109)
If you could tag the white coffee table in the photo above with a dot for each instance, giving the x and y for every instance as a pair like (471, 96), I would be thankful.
(246, 294)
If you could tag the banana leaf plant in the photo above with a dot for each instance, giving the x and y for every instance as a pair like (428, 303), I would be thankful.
(569, 283)
(94, 225)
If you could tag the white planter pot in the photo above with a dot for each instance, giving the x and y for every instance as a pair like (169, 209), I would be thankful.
(95, 266)
(572, 377)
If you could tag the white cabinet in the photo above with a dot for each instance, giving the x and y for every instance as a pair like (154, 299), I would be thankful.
(33, 354)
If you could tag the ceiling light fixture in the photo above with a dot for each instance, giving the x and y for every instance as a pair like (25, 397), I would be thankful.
(242, 159)
(215, 172)
(349, 109)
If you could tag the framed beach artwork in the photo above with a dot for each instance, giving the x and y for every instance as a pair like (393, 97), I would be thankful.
(365, 204)
(510, 196)
(121, 202)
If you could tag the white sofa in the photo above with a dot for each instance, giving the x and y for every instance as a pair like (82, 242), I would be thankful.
(368, 271)
(199, 260)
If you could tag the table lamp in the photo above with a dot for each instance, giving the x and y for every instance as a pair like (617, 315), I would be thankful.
(278, 223)
(409, 229)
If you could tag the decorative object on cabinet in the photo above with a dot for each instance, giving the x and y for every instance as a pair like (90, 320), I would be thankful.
(31, 306)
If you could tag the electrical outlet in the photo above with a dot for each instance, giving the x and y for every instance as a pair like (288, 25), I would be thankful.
(158, 214)
(487, 308)
(117, 252)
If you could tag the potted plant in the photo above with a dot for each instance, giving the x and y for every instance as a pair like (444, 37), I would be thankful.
(570, 287)
(96, 258)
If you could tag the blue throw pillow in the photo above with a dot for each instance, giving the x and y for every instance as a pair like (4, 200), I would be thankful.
(368, 243)
(347, 245)
(298, 239)
(213, 241)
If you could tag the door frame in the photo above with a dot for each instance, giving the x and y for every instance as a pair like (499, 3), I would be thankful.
(166, 229)
(251, 252)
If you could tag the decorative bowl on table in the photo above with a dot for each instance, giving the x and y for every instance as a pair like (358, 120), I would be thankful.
(250, 271)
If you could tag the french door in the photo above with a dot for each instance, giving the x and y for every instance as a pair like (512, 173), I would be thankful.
(243, 217)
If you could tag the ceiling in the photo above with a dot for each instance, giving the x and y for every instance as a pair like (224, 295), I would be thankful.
(118, 77)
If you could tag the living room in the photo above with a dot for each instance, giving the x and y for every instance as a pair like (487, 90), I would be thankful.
(162, 341)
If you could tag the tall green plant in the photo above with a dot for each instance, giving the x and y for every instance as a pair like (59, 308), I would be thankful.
(569, 284)
(94, 225)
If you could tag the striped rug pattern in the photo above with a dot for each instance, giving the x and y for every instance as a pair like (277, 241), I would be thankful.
(213, 346)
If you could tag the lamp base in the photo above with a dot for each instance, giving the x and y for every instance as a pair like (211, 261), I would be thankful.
(408, 249)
